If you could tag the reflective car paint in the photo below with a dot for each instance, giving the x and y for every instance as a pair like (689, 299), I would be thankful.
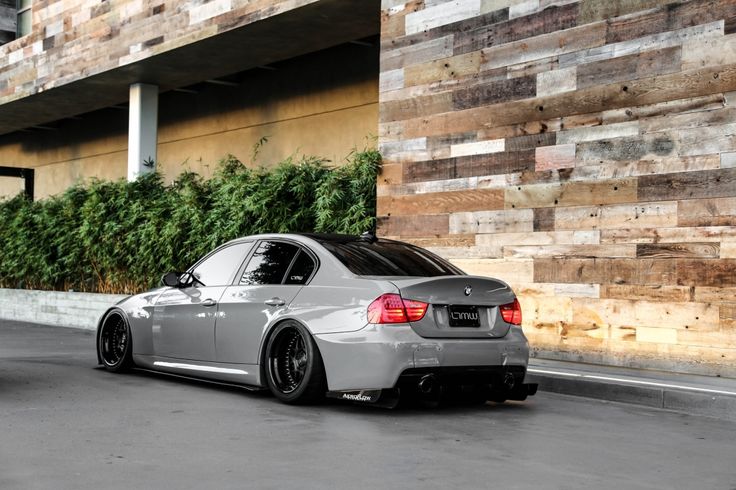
(173, 330)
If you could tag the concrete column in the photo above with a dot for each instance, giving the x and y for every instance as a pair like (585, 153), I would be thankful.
(142, 129)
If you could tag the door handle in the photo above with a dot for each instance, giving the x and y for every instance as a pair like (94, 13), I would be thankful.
(275, 302)
(209, 302)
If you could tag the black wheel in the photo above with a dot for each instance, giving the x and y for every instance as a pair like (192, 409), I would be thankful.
(294, 369)
(114, 342)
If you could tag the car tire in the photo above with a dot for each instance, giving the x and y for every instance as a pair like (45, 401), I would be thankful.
(295, 372)
(114, 342)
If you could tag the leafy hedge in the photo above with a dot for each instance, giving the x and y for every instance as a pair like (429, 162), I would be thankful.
(121, 236)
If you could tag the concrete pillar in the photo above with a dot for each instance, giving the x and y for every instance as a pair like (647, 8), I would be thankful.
(142, 129)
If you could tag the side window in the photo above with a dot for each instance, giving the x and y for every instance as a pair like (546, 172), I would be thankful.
(23, 18)
(269, 263)
(301, 269)
(219, 268)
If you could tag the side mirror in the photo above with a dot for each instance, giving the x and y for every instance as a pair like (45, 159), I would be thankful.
(186, 280)
(171, 279)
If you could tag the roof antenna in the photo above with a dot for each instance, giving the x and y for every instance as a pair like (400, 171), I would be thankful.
(369, 236)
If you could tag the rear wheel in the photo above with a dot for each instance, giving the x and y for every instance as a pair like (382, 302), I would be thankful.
(294, 369)
(114, 342)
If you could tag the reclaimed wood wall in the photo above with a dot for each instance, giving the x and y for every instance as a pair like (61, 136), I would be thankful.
(585, 152)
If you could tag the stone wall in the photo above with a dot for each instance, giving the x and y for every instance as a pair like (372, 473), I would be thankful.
(585, 152)
(77, 310)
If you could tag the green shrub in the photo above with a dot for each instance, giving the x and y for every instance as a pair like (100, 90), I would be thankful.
(119, 237)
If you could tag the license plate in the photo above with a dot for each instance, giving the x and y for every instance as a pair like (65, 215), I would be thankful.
(464, 316)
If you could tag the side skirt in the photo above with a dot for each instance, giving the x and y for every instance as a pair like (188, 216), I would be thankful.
(237, 374)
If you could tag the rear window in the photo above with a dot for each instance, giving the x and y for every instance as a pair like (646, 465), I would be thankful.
(387, 258)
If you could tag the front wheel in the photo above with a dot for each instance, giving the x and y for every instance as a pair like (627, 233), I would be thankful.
(114, 342)
(294, 369)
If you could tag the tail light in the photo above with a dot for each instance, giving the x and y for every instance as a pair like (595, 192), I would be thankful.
(392, 308)
(511, 312)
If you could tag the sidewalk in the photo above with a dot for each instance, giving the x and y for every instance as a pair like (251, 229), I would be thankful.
(692, 394)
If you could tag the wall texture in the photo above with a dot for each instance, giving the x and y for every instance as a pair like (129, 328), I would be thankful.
(584, 151)
(76, 310)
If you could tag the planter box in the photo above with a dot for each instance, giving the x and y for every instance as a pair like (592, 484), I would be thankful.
(61, 309)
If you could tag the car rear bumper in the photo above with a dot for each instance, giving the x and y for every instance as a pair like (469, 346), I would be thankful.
(375, 357)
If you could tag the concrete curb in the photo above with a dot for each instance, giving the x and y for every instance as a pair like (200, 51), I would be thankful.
(693, 400)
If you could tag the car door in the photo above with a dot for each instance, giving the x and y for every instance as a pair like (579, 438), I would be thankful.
(184, 318)
(272, 278)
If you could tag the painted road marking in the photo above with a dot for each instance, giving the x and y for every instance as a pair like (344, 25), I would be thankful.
(633, 381)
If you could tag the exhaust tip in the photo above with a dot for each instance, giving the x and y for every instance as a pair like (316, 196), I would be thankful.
(509, 381)
(427, 384)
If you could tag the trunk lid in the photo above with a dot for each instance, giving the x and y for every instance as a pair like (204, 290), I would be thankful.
(460, 306)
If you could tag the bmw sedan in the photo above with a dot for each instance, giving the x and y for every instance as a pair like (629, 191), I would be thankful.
(313, 315)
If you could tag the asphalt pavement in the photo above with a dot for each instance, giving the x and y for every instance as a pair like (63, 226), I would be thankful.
(67, 424)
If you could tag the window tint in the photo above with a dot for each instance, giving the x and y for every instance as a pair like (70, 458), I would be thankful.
(387, 258)
(269, 263)
(219, 268)
(301, 270)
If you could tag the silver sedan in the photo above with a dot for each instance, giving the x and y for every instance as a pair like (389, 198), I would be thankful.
(313, 315)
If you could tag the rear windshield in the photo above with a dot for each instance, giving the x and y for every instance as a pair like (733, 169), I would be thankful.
(386, 258)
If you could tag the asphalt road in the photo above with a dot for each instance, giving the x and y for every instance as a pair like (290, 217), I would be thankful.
(67, 424)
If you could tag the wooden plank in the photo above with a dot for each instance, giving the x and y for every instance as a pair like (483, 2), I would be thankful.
(672, 16)
(391, 80)
(595, 99)
(389, 174)
(396, 110)
(627, 148)
(670, 294)
(577, 290)
(631, 67)
(717, 117)
(452, 68)
(707, 140)
(494, 92)
(557, 81)
(571, 194)
(530, 141)
(545, 45)
(713, 30)
(552, 19)
(430, 50)
(413, 226)
(511, 271)
(707, 250)
(706, 272)
(554, 157)
(544, 219)
(441, 202)
(605, 271)
(588, 237)
(477, 148)
(443, 241)
(618, 216)
(681, 316)
(707, 212)
(523, 8)
(454, 28)
(714, 294)
(604, 251)
(709, 52)
(594, 10)
(470, 166)
(663, 234)
(663, 110)
(504, 221)
(446, 13)
(688, 185)
(728, 249)
(598, 132)
(467, 252)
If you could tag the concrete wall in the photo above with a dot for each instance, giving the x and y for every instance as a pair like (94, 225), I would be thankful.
(78, 310)
(305, 106)
(584, 152)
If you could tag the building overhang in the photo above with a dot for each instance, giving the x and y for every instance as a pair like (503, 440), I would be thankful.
(306, 29)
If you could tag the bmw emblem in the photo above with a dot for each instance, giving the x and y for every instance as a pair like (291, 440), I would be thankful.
(468, 290)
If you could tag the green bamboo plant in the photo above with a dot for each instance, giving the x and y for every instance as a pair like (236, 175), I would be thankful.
(119, 237)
